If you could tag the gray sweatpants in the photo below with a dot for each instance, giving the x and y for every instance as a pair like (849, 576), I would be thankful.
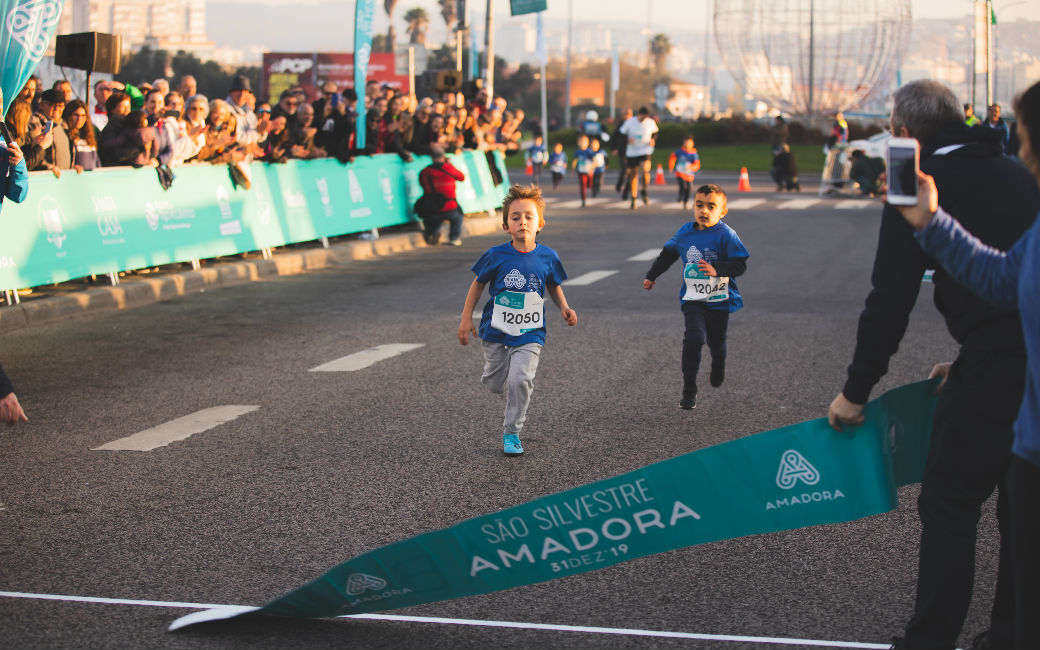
(511, 370)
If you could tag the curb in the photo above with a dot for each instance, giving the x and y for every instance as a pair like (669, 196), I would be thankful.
(147, 290)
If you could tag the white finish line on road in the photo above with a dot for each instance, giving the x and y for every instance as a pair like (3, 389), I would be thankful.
(588, 278)
(855, 204)
(549, 627)
(365, 358)
(177, 430)
(744, 204)
(648, 255)
(796, 204)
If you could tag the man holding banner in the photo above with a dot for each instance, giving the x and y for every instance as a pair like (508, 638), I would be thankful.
(970, 446)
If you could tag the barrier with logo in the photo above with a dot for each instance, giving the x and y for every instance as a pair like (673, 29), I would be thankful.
(796, 476)
(118, 220)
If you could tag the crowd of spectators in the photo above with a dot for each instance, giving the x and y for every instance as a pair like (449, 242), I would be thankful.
(152, 125)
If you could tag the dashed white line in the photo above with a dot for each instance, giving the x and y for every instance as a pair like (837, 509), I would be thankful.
(179, 429)
(230, 610)
(855, 204)
(646, 256)
(588, 278)
(365, 358)
(745, 204)
(796, 204)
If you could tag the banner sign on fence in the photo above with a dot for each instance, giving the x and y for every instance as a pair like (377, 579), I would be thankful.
(117, 220)
(26, 29)
(797, 476)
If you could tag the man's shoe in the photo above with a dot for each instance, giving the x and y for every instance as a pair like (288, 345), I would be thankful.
(646, 198)
(632, 205)
(982, 642)
(718, 374)
(454, 242)
(689, 398)
(511, 445)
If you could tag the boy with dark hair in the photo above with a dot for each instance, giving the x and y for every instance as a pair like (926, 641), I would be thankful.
(713, 255)
(518, 274)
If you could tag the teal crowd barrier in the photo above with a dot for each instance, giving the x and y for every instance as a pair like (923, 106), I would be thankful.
(110, 221)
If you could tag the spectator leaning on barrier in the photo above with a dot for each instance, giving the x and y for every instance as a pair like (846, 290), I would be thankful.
(81, 135)
(115, 147)
(166, 131)
(58, 156)
(194, 126)
(99, 116)
(220, 135)
(970, 447)
(11, 411)
(303, 147)
(14, 177)
(174, 105)
(240, 102)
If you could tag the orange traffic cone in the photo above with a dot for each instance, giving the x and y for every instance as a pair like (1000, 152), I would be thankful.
(745, 182)
(659, 177)
(530, 170)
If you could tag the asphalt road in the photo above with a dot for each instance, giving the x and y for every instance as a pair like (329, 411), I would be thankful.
(332, 464)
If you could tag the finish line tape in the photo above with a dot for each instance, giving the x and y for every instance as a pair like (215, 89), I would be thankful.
(793, 477)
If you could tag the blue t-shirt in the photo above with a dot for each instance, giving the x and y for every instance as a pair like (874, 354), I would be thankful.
(586, 160)
(536, 154)
(720, 242)
(558, 162)
(684, 161)
(509, 273)
(599, 157)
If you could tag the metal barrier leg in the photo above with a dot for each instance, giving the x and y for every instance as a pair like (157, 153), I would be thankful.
(324, 242)
(266, 252)
(196, 264)
(114, 279)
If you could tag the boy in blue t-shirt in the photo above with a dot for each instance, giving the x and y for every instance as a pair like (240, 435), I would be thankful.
(585, 164)
(599, 159)
(518, 275)
(537, 156)
(557, 164)
(713, 255)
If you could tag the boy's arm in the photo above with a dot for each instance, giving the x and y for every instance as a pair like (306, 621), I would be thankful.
(466, 323)
(660, 265)
(556, 293)
(732, 268)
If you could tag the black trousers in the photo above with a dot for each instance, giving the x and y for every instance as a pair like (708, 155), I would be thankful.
(1024, 498)
(703, 325)
(432, 223)
(968, 458)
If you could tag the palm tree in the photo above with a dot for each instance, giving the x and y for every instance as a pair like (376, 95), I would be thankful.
(418, 21)
(660, 48)
(449, 9)
(391, 33)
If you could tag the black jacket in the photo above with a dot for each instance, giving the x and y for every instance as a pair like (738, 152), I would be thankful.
(996, 198)
(5, 384)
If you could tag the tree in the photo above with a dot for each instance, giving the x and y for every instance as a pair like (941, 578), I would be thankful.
(418, 22)
(449, 9)
(660, 48)
(391, 33)
(213, 79)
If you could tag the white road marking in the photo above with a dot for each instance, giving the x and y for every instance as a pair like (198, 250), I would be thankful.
(854, 204)
(516, 625)
(796, 204)
(569, 204)
(179, 429)
(365, 358)
(745, 204)
(588, 278)
(675, 205)
(645, 256)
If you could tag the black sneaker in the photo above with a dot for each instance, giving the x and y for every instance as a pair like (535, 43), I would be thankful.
(689, 398)
(646, 198)
(718, 374)
(632, 205)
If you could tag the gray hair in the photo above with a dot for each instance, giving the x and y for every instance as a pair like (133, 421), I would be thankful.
(925, 106)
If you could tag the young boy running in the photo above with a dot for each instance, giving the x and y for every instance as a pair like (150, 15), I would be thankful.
(537, 156)
(585, 164)
(713, 255)
(599, 158)
(686, 163)
(557, 164)
(518, 275)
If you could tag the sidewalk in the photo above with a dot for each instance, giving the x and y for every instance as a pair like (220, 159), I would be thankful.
(60, 302)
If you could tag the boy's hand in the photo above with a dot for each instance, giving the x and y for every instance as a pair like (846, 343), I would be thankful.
(465, 329)
(707, 269)
(648, 284)
(569, 315)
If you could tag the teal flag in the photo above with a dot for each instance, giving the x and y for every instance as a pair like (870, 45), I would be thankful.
(797, 476)
(27, 29)
(363, 12)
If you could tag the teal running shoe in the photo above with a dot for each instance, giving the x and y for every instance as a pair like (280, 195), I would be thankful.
(511, 445)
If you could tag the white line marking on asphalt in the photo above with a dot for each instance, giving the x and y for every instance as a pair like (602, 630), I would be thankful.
(365, 358)
(854, 204)
(796, 204)
(177, 430)
(588, 278)
(745, 204)
(675, 205)
(645, 256)
(569, 204)
(481, 623)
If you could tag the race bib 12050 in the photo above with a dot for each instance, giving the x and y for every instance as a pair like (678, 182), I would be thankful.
(518, 312)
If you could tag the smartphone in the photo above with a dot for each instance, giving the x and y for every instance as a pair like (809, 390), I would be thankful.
(47, 126)
(903, 164)
(5, 133)
(335, 100)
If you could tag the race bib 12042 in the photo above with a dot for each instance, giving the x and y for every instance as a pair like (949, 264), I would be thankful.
(517, 312)
(700, 286)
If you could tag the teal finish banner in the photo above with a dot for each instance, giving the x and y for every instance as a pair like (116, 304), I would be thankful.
(118, 220)
(797, 476)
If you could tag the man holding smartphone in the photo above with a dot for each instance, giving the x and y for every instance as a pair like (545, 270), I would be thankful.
(996, 199)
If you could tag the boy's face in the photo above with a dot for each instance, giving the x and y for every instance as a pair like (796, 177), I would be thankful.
(595, 145)
(708, 209)
(523, 222)
(558, 148)
(583, 142)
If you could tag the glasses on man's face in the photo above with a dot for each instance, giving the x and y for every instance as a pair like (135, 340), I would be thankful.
(263, 111)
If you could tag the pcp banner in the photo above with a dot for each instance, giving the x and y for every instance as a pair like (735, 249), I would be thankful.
(797, 476)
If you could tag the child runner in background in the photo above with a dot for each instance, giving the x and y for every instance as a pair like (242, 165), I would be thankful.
(557, 164)
(584, 163)
(713, 255)
(537, 156)
(518, 274)
(685, 162)
(599, 158)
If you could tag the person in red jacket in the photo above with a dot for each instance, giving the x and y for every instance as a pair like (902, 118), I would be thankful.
(438, 182)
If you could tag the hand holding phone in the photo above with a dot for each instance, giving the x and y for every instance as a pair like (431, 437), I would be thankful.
(903, 162)
(47, 126)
